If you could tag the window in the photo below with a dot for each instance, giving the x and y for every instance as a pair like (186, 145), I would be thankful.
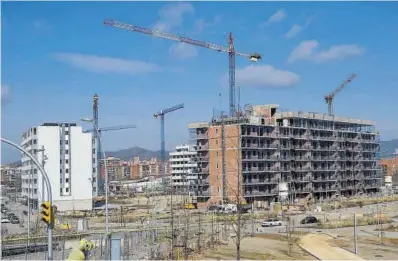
(94, 189)
(67, 161)
(93, 151)
(60, 190)
(216, 141)
(217, 165)
(217, 153)
(66, 142)
(60, 161)
(94, 179)
(67, 152)
(66, 170)
(66, 132)
(35, 181)
(67, 180)
(60, 181)
(67, 190)
(93, 160)
(60, 171)
(93, 169)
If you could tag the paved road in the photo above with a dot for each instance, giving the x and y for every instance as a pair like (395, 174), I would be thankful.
(318, 246)
(17, 209)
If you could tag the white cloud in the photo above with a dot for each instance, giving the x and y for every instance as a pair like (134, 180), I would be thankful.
(308, 50)
(201, 23)
(263, 76)
(277, 17)
(41, 24)
(294, 30)
(101, 64)
(5, 92)
(172, 15)
(183, 51)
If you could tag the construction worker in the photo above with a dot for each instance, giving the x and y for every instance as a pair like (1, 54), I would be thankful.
(83, 252)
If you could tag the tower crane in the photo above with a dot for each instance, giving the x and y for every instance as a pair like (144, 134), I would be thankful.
(97, 140)
(329, 97)
(254, 57)
(161, 115)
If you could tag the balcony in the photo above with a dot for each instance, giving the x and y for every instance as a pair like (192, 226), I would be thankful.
(203, 147)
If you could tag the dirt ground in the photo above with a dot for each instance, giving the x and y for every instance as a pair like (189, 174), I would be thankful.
(261, 247)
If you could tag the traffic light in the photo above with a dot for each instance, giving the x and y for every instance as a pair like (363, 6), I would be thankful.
(46, 213)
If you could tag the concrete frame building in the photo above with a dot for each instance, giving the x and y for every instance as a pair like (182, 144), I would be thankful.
(68, 162)
(314, 156)
(182, 166)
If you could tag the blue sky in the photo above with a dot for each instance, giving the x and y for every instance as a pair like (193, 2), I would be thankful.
(55, 56)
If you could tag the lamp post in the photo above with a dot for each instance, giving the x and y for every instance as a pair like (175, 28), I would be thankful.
(49, 194)
(96, 129)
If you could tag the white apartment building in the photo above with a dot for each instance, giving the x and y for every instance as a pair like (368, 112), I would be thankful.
(182, 165)
(67, 161)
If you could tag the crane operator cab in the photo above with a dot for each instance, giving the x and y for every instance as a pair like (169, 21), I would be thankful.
(83, 252)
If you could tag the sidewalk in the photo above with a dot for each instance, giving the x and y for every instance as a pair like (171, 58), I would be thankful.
(317, 245)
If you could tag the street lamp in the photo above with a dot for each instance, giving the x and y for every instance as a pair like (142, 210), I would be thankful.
(96, 129)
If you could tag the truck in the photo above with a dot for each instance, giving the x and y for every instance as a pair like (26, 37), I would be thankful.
(227, 208)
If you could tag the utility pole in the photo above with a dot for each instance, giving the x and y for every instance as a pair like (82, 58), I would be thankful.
(224, 174)
(355, 234)
(212, 230)
(200, 233)
(173, 235)
(43, 162)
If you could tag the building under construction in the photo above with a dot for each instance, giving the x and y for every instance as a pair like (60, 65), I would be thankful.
(267, 155)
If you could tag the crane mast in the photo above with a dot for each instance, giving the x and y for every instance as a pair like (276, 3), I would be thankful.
(254, 57)
(329, 97)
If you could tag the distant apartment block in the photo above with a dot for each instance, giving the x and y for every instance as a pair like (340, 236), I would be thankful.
(390, 171)
(68, 163)
(11, 179)
(310, 156)
(119, 170)
(183, 165)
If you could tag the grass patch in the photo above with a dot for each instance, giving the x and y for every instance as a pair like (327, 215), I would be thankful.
(350, 222)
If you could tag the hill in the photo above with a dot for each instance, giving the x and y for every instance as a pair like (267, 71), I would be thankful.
(130, 153)
(387, 148)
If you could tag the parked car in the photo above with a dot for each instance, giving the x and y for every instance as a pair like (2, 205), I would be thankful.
(309, 220)
(25, 212)
(4, 210)
(271, 222)
(14, 220)
(10, 215)
(212, 208)
(5, 220)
